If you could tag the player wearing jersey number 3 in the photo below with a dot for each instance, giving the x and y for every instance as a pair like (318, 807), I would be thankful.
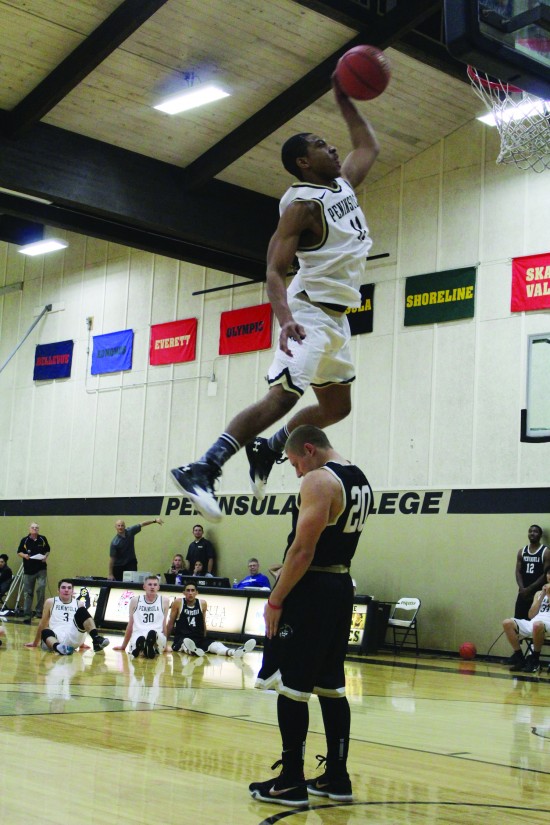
(308, 618)
(322, 224)
(65, 622)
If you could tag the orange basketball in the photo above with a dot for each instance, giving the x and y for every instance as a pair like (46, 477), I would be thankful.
(363, 72)
(467, 650)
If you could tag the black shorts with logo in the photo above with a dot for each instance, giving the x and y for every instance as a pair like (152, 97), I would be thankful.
(307, 655)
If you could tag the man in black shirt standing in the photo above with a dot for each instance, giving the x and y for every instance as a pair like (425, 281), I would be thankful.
(308, 619)
(122, 554)
(200, 550)
(34, 551)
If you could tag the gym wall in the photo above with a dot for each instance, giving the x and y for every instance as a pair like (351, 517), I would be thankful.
(435, 422)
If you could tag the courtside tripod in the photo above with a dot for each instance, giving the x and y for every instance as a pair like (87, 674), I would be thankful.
(17, 588)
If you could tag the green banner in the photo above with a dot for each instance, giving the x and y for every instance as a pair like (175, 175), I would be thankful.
(440, 296)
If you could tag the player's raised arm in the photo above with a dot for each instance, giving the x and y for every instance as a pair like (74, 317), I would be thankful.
(363, 139)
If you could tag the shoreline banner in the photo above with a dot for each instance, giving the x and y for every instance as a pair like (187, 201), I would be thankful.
(440, 296)
(530, 283)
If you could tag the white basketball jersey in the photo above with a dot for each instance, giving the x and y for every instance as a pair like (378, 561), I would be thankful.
(148, 616)
(62, 615)
(333, 270)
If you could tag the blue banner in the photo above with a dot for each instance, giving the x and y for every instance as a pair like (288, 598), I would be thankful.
(53, 361)
(112, 352)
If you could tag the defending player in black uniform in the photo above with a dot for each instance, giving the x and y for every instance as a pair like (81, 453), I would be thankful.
(308, 618)
(187, 618)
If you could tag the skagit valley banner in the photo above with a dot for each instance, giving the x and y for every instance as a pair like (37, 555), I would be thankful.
(530, 283)
(440, 296)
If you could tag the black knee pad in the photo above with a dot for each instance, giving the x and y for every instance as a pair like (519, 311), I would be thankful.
(80, 617)
(47, 634)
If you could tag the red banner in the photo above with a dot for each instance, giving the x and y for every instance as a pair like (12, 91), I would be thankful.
(245, 330)
(530, 283)
(174, 342)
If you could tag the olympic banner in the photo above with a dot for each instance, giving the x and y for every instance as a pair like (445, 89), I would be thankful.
(245, 330)
(113, 352)
(361, 318)
(53, 361)
(174, 342)
(440, 296)
(530, 283)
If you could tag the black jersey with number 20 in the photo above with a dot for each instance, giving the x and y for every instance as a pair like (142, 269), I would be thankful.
(338, 541)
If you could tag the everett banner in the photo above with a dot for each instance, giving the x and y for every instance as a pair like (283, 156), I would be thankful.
(53, 360)
(530, 283)
(174, 342)
(440, 296)
(245, 330)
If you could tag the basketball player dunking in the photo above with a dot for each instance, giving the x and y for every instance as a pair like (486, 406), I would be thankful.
(322, 225)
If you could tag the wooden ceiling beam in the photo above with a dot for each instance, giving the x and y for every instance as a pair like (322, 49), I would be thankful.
(383, 31)
(112, 193)
(108, 36)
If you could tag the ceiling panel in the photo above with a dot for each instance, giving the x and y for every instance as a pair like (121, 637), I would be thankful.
(258, 51)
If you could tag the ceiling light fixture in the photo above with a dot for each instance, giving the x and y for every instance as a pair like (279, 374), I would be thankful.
(4, 191)
(191, 99)
(42, 247)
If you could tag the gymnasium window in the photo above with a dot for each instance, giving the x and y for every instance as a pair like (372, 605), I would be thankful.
(537, 418)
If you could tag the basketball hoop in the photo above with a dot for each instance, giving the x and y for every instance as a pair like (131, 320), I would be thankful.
(523, 122)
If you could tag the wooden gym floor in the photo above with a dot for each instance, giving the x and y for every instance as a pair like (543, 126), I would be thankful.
(102, 738)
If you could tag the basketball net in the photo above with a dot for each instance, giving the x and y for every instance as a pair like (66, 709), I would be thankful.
(523, 121)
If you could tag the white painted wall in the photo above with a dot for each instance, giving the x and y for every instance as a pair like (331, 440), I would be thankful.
(435, 407)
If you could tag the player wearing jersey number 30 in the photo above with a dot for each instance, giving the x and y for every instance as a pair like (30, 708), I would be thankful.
(146, 630)
(308, 618)
(321, 224)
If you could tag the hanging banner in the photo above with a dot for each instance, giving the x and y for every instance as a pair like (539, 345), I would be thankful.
(440, 296)
(112, 352)
(53, 361)
(361, 318)
(530, 283)
(245, 330)
(174, 342)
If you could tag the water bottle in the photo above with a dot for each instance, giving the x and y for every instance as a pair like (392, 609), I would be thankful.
(235, 582)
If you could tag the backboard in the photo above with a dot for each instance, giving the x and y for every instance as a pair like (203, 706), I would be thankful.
(507, 39)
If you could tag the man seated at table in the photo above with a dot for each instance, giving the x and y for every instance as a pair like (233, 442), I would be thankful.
(198, 570)
(254, 578)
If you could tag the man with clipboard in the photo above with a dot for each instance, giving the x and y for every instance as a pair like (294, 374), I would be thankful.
(34, 551)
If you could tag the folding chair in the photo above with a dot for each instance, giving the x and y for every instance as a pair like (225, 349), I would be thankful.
(403, 622)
